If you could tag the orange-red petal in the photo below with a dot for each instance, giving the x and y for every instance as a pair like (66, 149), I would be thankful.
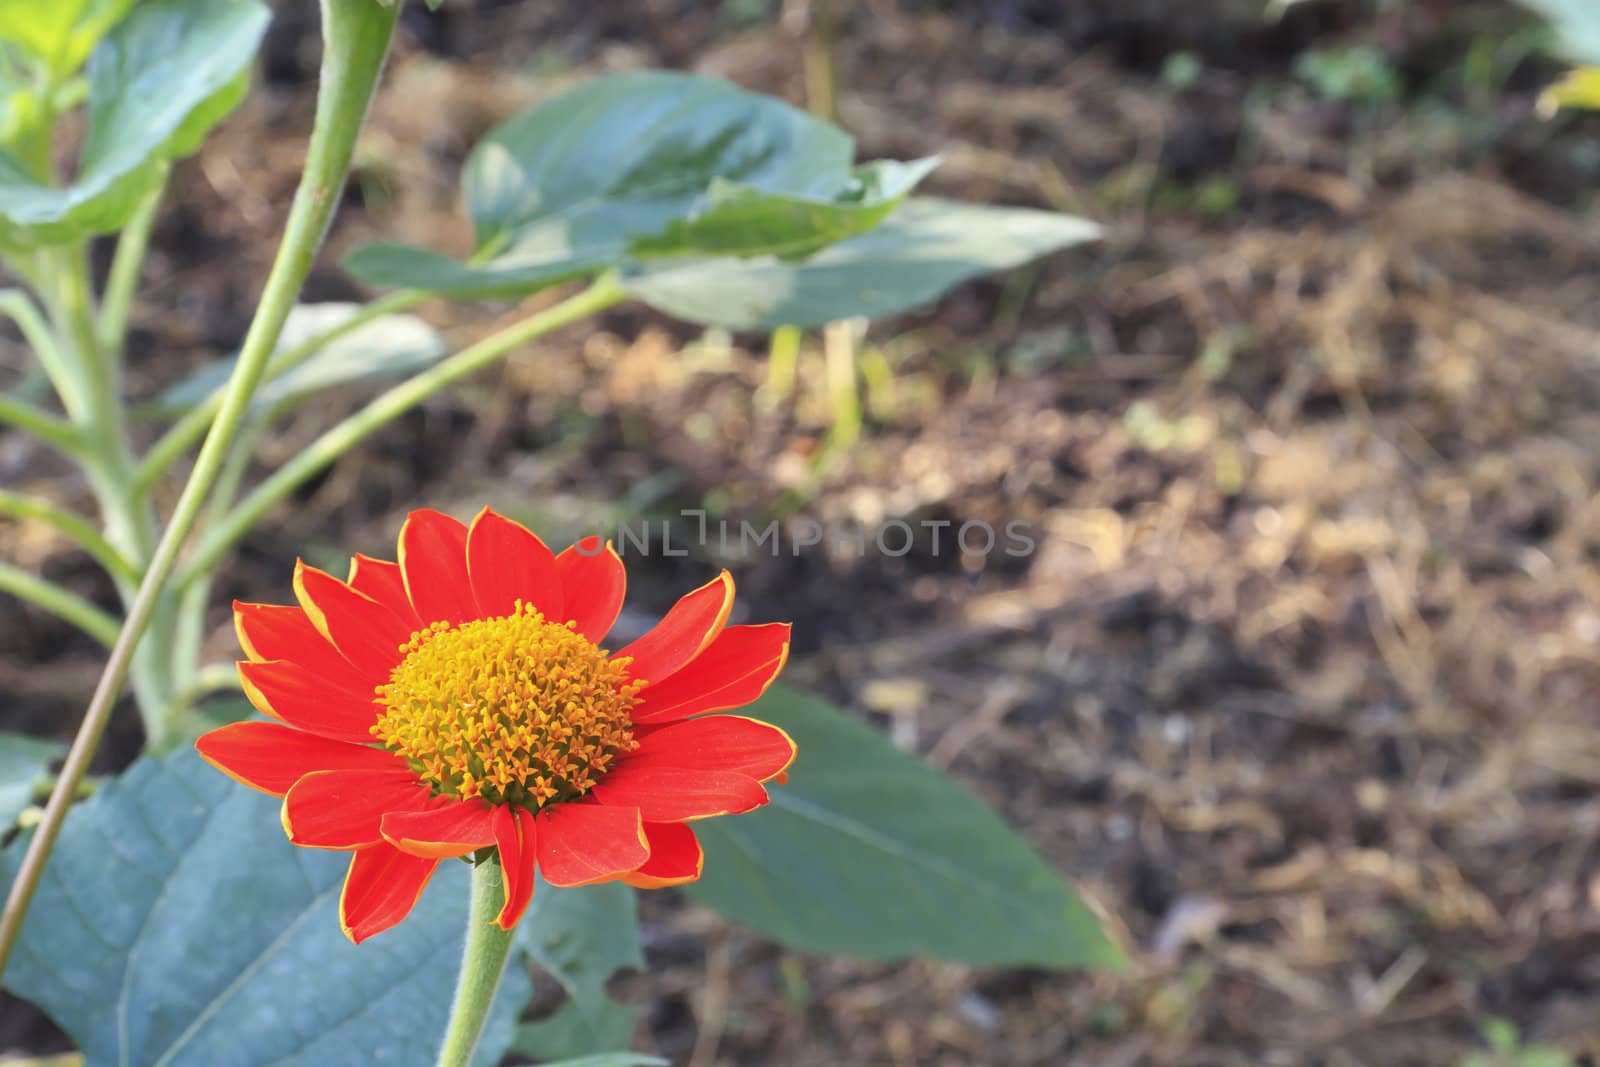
(344, 810)
(382, 581)
(734, 669)
(292, 693)
(581, 844)
(441, 833)
(593, 581)
(678, 794)
(369, 634)
(276, 631)
(716, 743)
(271, 758)
(515, 832)
(381, 887)
(507, 563)
(675, 857)
(433, 560)
(692, 624)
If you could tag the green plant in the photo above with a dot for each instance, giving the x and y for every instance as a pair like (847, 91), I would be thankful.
(165, 920)
(1509, 1051)
(1358, 75)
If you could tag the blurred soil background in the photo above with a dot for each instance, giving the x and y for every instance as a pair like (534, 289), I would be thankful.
(1300, 683)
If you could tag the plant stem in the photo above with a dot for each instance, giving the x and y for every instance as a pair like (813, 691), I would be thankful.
(482, 964)
(33, 142)
(189, 630)
(839, 349)
(25, 585)
(783, 364)
(877, 374)
(212, 678)
(128, 521)
(44, 426)
(821, 60)
(74, 527)
(128, 518)
(356, 35)
(112, 328)
(386, 408)
(68, 383)
(187, 430)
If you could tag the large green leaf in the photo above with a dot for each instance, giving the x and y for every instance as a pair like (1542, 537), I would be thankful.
(646, 164)
(623, 156)
(386, 347)
(59, 33)
(742, 220)
(922, 250)
(869, 852)
(22, 765)
(175, 927)
(581, 937)
(158, 82)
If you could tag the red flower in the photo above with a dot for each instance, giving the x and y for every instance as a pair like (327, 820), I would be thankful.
(459, 700)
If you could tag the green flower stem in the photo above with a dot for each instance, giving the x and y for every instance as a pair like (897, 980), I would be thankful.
(68, 383)
(482, 964)
(189, 633)
(339, 439)
(44, 426)
(187, 430)
(74, 527)
(112, 328)
(356, 36)
(25, 585)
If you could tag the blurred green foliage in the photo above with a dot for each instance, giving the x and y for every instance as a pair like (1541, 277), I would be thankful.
(1358, 75)
(1509, 1051)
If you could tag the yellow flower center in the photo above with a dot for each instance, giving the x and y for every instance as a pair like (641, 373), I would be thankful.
(516, 710)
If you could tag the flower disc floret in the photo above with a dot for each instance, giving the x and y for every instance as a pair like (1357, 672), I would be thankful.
(513, 710)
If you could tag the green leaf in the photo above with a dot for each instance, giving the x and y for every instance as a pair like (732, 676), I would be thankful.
(22, 767)
(581, 937)
(623, 156)
(741, 220)
(869, 852)
(921, 251)
(175, 927)
(158, 82)
(1545, 1057)
(59, 33)
(646, 163)
(389, 347)
(1502, 1035)
(409, 267)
